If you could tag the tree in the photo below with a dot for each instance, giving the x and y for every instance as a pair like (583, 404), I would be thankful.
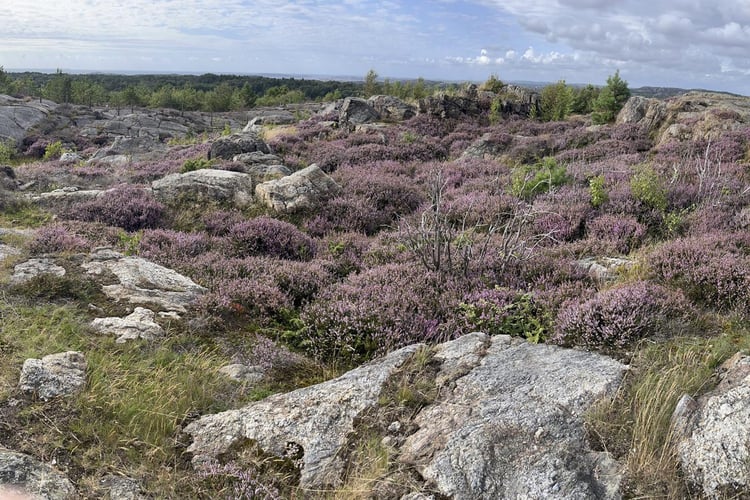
(583, 99)
(611, 99)
(371, 84)
(59, 88)
(131, 97)
(493, 84)
(4, 81)
(556, 101)
(248, 96)
(88, 93)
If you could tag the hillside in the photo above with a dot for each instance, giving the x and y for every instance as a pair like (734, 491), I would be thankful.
(376, 298)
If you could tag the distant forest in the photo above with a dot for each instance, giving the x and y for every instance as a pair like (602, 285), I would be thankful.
(208, 92)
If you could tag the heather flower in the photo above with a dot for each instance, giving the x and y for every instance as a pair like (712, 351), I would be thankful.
(619, 317)
(126, 206)
(622, 233)
(53, 239)
(269, 236)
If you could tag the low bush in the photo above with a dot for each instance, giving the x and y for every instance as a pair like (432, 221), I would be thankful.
(128, 207)
(270, 237)
(505, 312)
(622, 233)
(531, 180)
(616, 318)
(56, 238)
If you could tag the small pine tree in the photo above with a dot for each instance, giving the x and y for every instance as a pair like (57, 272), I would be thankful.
(371, 84)
(611, 99)
(556, 101)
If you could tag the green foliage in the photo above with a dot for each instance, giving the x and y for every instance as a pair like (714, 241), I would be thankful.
(493, 84)
(371, 87)
(53, 151)
(227, 130)
(556, 101)
(59, 88)
(598, 191)
(523, 317)
(4, 81)
(648, 188)
(496, 114)
(530, 180)
(7, 151)
(583, 99)
(196, 164)
(611, 99)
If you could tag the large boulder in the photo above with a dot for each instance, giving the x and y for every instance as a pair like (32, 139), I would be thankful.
(647, 113)
(55, 375)
(392, 109)
(506, 421)
(356, 111)
(25, 475)
(317, 419)
(713, 434)
(235, 144)
(304, 189)
(206, 186)
(143, 283)
(509, 422)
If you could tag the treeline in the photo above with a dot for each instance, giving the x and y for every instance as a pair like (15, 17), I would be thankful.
(208, 92)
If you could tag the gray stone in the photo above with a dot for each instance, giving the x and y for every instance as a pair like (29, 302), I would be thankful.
(302, 190)
(605, 269)
(122, 488)
(392, 109)
(18, 116)
(64, 196)
(142, 282)
(713, 434)
(356, 111)
(139, 324)
(8, 251)
(647, 113)
(512, 427)
(205, 186)
(257, 158)
(32, 268)
(280, 117)
(235, 144)
(318, 419)
(54, 375)
(243, 373)
(24, 475)
(70, 157)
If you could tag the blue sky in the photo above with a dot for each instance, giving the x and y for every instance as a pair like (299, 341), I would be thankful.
(684, 43)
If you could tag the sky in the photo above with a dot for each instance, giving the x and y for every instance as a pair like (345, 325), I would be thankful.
(680, 43)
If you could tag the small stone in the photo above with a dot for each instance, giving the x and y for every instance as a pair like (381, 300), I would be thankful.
(243, 373)
(60, 374)
(395, 427)
(32, 268)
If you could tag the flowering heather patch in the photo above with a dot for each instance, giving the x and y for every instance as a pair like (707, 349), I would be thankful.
(57, 238)
(175, 248)
(258, 297)
(618, 317)
(561, 213)
(126, 206)
(271, 237)
(219, 222)
(379, 310)
(343, 252)
(622, 233)
(713, 269)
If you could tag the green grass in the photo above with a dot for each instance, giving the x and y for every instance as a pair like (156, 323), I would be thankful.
(635, 424)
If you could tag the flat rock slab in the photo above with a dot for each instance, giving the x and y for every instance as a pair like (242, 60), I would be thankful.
(23, 474)
(32, 268)
(139, 324)
(55, 375)
(142, 282)
(318, 419)
(512, 426)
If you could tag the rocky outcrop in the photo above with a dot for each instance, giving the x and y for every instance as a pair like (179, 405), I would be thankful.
(507, 421)
(691, 116)
(55, 375)
(25, 475)
(139, 324)
(26, 271)
(448, 106)
(713, 434)
(236, 144)
(156, 125)
(315, 421)
(143, 283)
(64, 196)
(125, 149)
(280, 117)
(512, 426)
(257, 158)
(392, 109)
(243, 373)
(206, 186)
(356, 111)
(304, 189)
(18, 116)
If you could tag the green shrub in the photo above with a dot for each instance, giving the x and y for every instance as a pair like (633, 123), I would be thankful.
(598, 191)
(53, 151)
(531, 180)
(506, 312)
(7, 151)
(648, 188)
(196, 164)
